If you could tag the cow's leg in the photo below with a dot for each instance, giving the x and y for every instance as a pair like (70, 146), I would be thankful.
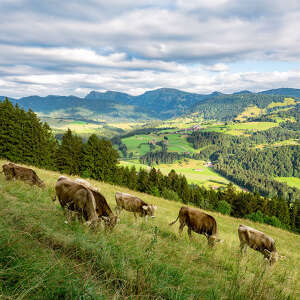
(190, 233)
(118, 210)
(243, 248)
(135, 216)
(181, 226)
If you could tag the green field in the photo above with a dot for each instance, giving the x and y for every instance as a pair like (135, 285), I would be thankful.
(175, 143)
(195, 172)
(291, 181)
(43, 257)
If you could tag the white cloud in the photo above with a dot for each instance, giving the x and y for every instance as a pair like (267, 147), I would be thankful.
(68, 47)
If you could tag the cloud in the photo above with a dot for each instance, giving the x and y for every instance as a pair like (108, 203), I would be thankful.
(72, 46)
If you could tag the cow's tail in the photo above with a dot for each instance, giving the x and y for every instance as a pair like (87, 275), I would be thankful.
(172, 223)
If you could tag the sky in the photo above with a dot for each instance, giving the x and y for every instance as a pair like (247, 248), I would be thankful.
(72, 47)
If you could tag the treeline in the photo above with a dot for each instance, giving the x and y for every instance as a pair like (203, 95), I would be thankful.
(227, 107)
(235, 159)
(162, 157)
(24, 139)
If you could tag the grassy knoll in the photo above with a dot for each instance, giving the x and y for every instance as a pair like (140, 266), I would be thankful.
(287, 102)
(250, 112)
(42, 257)
(291, 181)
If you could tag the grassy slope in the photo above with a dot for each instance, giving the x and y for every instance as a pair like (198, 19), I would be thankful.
(42, 257)
(194, 170)
(291, 181)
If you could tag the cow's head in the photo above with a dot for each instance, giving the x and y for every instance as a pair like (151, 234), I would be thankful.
(149, 210)
(110, 222)
(41, 184)
(213, 239)
(272, 256)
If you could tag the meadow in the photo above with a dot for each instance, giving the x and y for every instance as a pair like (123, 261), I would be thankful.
(45, 257)
(195, 172)
(291, 181)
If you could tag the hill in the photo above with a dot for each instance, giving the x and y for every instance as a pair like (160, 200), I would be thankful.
(42, 257)
(163, 104)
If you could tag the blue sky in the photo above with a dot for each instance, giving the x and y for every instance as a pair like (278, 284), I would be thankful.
(73, 47)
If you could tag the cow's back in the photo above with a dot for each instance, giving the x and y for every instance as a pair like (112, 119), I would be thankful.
(198, 221)
(256, 240)
(129, 202)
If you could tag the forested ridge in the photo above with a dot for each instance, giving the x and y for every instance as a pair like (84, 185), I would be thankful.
(24, 139)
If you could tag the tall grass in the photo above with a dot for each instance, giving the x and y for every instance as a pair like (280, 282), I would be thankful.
(42, 257)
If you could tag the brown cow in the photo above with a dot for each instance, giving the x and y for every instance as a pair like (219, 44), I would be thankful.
(135, 205)
(76, 197)
(258, 241)
(13, 171)
(102, 209)
(198, 222)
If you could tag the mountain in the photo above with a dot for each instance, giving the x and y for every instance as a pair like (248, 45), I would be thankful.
(288, 92)
(164, 103)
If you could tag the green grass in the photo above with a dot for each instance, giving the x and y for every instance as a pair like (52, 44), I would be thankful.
(138, 260)
(291, 181)
(195, 172)
(44, 258)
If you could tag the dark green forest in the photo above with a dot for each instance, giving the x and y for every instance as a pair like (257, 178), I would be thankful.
(25, 139)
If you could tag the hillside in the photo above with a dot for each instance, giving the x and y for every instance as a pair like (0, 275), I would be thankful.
(160, 104)
(42, 257)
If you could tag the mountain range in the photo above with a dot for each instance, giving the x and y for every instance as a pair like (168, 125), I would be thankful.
(164, 103)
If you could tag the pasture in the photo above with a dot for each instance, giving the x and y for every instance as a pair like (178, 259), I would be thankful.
(43, 257)
(195, 172)
(291, 181)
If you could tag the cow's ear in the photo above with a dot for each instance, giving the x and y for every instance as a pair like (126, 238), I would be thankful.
(267, 251)
(282, 257)
(145, 207)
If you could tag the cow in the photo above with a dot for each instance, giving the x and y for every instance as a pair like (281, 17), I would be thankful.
(76, 197)
(258, 241)
(69, 192)
(13, 171)
(198, 222)
(134, 204)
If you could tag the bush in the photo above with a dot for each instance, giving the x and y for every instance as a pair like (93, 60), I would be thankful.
(224, 207)
(256, 217)
(171, 195)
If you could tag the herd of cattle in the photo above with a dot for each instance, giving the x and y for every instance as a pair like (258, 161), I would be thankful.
(80, 197)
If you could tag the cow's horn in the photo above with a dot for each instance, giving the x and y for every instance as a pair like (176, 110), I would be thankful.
(105, 218)
(267, 251)
(282, 257)
(145, 207)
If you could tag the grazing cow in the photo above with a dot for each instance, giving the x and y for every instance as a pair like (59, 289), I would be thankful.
(198, 222)
(135, 205)
(258, 241)
(76, 197)
(13, 171)
(102, 209)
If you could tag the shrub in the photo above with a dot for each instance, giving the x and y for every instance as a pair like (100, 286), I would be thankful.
(224, 207)
(171, 195)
